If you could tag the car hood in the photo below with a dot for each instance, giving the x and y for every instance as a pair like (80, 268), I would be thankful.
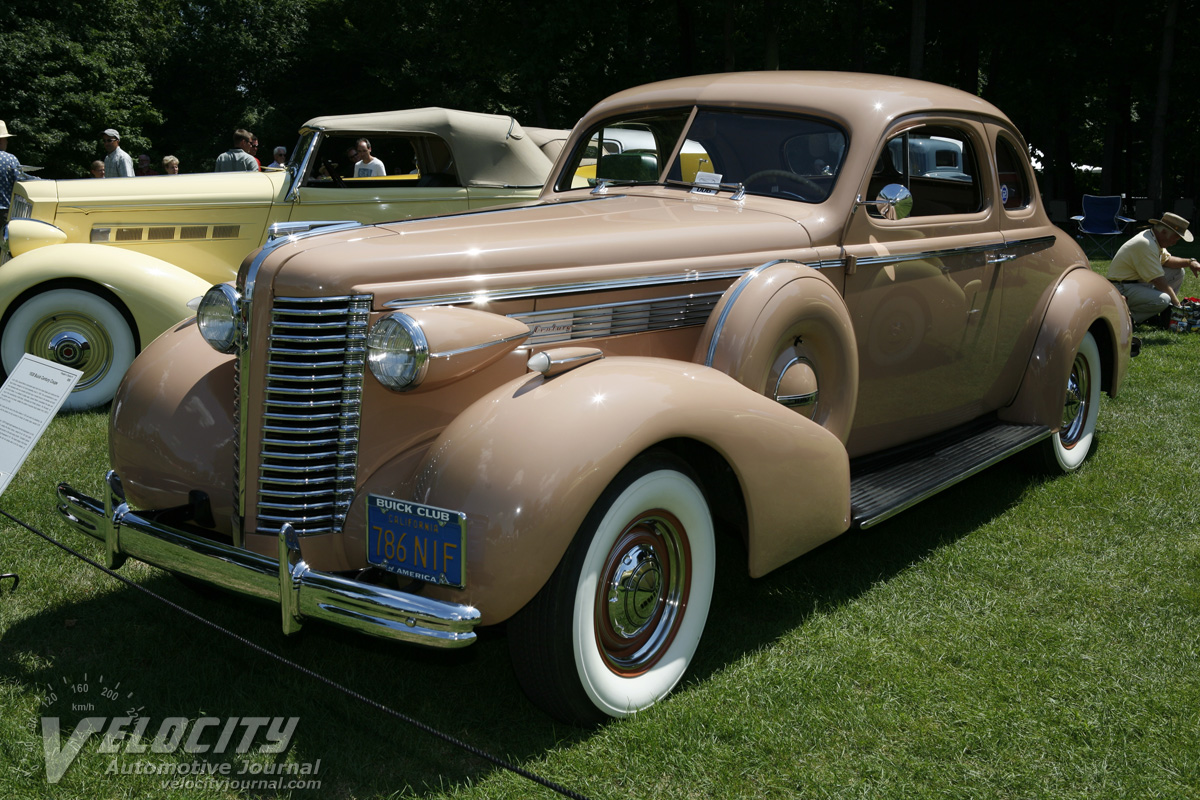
(155, 191)
(570, 242)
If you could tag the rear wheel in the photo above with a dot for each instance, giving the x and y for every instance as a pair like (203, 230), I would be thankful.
(77, 329)
(1066, 450)
(617, 624)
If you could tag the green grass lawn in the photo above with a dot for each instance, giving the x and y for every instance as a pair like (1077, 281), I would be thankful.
(1013, 637)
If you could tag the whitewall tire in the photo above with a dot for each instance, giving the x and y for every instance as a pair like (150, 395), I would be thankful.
(78, 329)
(1066, 450)
(617, 625)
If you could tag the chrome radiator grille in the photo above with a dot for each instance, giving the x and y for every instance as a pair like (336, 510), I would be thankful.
(309, 448)
(20, 207)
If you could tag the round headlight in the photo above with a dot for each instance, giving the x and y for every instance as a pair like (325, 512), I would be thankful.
(397, 352)
(217, 317)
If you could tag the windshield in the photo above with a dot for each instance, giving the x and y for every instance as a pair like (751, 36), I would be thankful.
(768, 154)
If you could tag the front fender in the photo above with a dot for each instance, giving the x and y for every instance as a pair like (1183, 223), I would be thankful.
(527, 461)
(1082, 301)
(155, 292)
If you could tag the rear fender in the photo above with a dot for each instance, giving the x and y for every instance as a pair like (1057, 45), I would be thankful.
(527, 462)
(1083, 301)
(154, 292)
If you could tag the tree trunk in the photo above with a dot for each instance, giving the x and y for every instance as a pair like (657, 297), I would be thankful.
(916, 40)
(1158, 134)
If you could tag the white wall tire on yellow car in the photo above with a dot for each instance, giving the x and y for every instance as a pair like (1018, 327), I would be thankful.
(76, 328)
(1067, 449)
(617, 625)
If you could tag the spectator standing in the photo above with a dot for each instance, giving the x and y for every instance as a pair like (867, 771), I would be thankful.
(97, 169)
(143, 166)
(10, 168)
(170, 165)
(239, 158)
(367, 165)
(117, 164)
(1147, 275)
(280, 158)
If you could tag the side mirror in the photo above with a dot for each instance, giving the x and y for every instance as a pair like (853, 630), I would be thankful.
(894, 202)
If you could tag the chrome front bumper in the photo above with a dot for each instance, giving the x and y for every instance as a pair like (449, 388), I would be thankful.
(301, 592)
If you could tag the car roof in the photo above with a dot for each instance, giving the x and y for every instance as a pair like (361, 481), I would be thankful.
(857, 99)
(489, 149)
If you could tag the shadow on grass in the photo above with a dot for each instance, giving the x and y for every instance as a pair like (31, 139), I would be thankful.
(176, 666)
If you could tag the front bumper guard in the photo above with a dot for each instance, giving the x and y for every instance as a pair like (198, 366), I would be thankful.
(301, 592)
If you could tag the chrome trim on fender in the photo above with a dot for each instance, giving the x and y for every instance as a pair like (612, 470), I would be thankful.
(481, 346)
(302, 593)
(716, 335)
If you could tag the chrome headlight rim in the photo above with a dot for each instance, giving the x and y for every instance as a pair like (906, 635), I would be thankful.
(398, 352)
(217, 317)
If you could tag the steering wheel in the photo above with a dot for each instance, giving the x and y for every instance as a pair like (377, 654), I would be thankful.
(330, 168)
(812, 187)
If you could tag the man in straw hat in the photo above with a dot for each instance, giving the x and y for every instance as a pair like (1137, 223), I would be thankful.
(10, 170)
(1147, 275)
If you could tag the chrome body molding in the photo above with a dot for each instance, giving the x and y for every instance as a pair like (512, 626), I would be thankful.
(1021, 247)
(614, 319)
(527, 292)
(302, 593)
(1015, 249)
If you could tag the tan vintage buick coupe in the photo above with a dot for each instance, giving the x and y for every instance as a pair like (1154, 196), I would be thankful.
(91, 271)
(778, 306)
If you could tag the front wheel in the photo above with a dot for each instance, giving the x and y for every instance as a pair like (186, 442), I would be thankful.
(617, 624)
(77, 329)
(1067, 449)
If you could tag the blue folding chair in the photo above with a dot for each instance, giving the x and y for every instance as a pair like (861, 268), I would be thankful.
(1101, 222)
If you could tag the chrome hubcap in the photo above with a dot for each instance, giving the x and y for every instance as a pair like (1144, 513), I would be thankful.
(643, 593)
(634, 595)
(70, 349)
(1076, 408)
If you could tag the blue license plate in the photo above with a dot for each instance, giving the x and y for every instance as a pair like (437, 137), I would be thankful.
(417, 541)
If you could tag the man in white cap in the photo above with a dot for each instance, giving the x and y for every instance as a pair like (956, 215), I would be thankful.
(117, 164)
(1147, 275)
(10, 169)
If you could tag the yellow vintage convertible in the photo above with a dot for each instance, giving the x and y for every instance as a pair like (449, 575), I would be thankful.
(92, 271)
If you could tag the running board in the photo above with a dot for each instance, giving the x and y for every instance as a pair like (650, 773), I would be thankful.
(881, 487)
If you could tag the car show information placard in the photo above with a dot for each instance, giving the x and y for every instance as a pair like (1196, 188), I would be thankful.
(29, 399)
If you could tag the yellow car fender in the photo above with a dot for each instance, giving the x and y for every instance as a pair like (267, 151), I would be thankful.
(154, 292)
(527, 461)
(1082, 302)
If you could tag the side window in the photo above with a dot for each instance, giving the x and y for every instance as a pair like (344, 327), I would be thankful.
(396, 160)
(1014, 180)
(938, 164)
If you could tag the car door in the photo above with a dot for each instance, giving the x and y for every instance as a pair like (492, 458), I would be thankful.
(1028, 270)
(420, 180)
(922, 291)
